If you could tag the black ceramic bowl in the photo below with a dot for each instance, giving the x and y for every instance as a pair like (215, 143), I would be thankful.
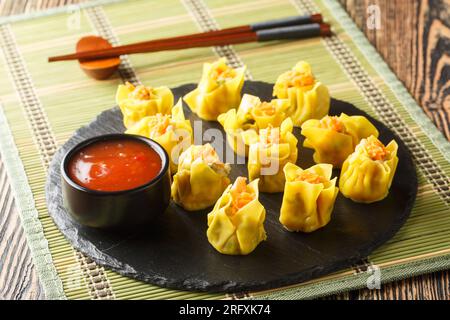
(117, 209)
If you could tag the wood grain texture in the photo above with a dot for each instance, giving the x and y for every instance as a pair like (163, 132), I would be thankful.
(413, 39)
(18, 278)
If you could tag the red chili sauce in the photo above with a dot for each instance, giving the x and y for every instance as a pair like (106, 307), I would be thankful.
(114, 165)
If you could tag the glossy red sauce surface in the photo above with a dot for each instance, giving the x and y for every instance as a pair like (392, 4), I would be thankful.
(114, 165)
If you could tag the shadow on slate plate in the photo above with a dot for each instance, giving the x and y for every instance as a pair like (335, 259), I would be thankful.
(174, 252)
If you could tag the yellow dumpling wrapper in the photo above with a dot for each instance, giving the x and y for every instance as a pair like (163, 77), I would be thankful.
(201, 178)
(335, 138)
(173, 132)
(309, 98)
(252, 114)
(269, 152)
(137, 102)
(236, 224)
(309, 197)
(367, 174)
(218, 91)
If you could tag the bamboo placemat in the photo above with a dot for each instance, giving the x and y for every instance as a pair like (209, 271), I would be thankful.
(42, 104)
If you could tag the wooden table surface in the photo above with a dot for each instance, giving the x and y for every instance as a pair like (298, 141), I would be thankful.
(414, 38)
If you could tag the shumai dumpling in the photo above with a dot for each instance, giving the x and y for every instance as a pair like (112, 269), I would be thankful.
(367, 174)
(137, 102)
(309, 197)
(218, 91)
(269, 152)
(252, 114)
(201, 178)
(309, 98)
(173, 132)
(335, 138)
(236, 224)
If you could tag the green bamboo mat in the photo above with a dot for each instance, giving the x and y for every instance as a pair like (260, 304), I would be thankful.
(43, 104)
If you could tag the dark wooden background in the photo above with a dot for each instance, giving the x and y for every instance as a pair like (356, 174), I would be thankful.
(414, 38)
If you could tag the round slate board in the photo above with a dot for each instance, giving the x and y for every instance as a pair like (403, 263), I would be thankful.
(174, 252)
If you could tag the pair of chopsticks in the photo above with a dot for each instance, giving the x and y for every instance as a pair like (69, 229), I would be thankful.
(296, 27)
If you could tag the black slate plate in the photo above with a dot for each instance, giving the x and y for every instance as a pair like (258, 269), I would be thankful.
(175, 253)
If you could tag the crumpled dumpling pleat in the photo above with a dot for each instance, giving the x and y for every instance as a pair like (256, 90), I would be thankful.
(137, 102)
(252, 114)
(335, 138)
(309, 98)
(214, 95)
(173, 132)
(267, 158)
(307, 205)
(237, 231)
(364, 179)
(201, 178)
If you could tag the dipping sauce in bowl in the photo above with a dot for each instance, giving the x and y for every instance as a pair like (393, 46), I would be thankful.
(116, 181)
(115, 165)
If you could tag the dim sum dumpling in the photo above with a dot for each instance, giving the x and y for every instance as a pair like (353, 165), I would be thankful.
(252, 114)
(236, 224)
(309, 98)
(137, 102)
(309, 197)
(335, 138)
(367, 174)
(269, 152)
(173, 132)
(201, 178)
(218, 91)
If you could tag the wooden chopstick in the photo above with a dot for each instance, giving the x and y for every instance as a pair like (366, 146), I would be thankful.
(234, 35)
(314, 18)
(162, 46)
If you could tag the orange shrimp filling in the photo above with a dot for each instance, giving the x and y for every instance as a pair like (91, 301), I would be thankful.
(139, 92)
(376, 150)
(222, 73)
(300, 79)
(265, 108)
(310, 177)
(162, 124)
(240, 195)
(206, 154)
(209, 155)
(333, 123)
